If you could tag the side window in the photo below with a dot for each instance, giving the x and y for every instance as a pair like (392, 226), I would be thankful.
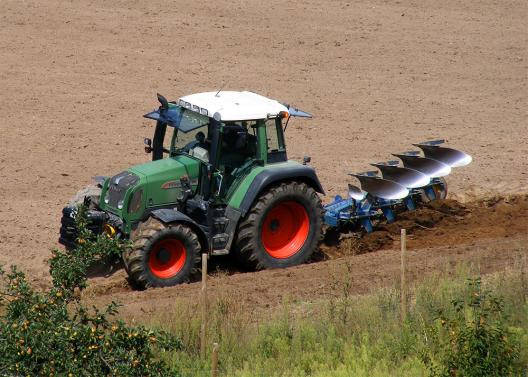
(238, 145)
(275, 139)
(271, 135)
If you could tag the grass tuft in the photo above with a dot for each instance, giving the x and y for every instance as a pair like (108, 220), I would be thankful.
(345, 335)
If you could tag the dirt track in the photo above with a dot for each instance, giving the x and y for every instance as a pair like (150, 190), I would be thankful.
(76, 76)
(490, 235)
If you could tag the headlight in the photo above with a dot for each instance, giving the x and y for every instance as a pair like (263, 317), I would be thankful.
(135, 201)
(120, 204)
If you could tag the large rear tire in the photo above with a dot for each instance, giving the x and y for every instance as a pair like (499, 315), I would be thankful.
(282, 229)
(161, 255)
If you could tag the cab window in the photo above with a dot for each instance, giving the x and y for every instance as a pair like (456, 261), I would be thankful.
(275, 141)
(184, 142)
(238, 144)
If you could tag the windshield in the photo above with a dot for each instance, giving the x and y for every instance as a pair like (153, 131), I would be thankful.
(189, 130)
(186, 120)
(184, 142)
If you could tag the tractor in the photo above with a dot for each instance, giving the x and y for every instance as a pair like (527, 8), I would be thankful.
(220, 183)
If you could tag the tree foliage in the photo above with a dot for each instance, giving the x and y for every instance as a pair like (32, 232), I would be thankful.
(68, 268)
(472, 339)
(52, 333)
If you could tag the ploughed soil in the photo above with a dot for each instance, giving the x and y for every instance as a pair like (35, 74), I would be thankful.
(491, 235)
(378, 75)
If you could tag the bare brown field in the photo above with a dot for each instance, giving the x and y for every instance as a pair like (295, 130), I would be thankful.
(76, 76)
(487, 235)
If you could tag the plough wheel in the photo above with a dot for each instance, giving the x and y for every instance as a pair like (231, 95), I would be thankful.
(440, 191)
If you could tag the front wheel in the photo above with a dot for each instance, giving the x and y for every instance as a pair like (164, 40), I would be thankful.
(92, 192)
(161, 255)
(282, 229)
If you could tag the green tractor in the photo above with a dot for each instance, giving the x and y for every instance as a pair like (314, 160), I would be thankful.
(219, 182)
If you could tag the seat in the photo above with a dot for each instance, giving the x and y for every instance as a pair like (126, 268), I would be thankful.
(200, 153)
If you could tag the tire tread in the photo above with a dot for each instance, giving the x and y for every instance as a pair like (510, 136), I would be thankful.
(134, 257)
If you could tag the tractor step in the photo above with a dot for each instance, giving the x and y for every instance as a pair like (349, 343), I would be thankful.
(220, 241)
(220, 224)
(220, 252)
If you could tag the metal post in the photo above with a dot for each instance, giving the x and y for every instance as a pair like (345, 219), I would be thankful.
(203, 329)
(403, 298)
(214, 361)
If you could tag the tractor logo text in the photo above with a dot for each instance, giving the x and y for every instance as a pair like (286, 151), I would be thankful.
(171, 185)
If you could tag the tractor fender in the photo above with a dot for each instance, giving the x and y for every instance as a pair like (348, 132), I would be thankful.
(266, 178)
(170, 215)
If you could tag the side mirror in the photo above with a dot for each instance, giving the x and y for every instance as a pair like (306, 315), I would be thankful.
(306, 160)
(148, 145)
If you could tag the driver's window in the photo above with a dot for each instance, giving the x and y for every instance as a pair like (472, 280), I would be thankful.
(167, 141)
(186, 141)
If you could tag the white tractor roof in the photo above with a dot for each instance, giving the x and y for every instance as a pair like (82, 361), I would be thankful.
(233, 106)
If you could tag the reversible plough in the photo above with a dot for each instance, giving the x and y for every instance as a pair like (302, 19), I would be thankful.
(396, 187)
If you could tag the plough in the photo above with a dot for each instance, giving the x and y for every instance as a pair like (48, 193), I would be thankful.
(395, 187)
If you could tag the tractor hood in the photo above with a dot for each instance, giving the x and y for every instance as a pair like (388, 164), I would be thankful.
(161, 178)
(152, 184)
(153, 168)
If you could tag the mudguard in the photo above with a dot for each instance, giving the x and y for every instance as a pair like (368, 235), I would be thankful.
(267, 177)
(169, 215)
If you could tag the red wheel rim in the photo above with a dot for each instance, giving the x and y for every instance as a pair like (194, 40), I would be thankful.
(167, 258)
(285, 229)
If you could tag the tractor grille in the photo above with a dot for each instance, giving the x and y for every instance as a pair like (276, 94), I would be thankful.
(68, 230)
(118, 186)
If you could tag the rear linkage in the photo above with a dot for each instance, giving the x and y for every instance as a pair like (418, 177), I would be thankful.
(399, 188)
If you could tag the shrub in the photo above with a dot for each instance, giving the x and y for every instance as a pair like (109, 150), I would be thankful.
(472, 340)
(68, 269)
(297, 339)
(52, 333)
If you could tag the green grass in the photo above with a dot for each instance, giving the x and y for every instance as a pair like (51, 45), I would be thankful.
(343, 336)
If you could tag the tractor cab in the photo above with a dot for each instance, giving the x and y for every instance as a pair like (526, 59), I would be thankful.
(227, 132)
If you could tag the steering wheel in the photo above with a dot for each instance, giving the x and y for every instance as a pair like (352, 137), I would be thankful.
(200, 140)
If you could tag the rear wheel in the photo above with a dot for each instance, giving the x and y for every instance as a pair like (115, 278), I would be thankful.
(161, 255)
(282, 229)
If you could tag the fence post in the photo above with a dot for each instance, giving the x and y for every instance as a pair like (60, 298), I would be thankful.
(214, 361)
(203, 329)
(403, 268)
